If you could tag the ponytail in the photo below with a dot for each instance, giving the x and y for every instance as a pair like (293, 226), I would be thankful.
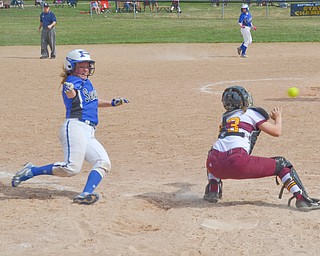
(64, 74)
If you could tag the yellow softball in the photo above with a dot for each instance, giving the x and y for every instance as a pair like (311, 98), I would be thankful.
(293, 92)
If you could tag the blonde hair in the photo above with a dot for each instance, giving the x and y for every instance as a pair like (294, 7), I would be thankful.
(64, 74)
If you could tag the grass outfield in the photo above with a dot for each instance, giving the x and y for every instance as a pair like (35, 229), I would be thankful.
(198, 23)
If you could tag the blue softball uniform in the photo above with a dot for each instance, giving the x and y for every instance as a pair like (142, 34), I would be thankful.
(245, 19)
(84, 105)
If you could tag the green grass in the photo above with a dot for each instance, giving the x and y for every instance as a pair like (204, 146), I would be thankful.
(198, 23)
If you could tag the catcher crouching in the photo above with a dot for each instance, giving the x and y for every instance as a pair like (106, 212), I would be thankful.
(230, 156)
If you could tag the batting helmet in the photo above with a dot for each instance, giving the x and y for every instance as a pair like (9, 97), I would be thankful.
(245, 6)
(77, 56)
(236, 97)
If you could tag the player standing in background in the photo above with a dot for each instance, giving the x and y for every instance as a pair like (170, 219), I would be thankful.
(230, 156)
(77, 134)
(154, 5)
(245, 22)
(48, 22)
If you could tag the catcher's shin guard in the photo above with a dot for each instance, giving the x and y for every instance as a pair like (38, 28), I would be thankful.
(293, 180)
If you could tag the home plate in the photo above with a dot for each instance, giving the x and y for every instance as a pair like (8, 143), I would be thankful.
(6, 174)
(229, 225)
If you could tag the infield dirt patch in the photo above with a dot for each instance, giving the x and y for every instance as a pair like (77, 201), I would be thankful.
(151, 203)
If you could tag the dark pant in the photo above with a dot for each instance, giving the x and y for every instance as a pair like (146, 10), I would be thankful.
(48, 37)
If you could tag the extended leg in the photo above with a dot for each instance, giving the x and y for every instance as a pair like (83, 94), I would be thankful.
(293, 184)
(98, 157)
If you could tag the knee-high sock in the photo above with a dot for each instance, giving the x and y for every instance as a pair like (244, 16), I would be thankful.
(42, 170)
(93, 181)
(244, 49)
(290, 183)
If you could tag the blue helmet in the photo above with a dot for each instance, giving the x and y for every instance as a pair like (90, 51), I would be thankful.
(77, 56)
(236, 97)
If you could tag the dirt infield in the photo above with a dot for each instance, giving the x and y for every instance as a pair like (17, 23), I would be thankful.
(151, 203)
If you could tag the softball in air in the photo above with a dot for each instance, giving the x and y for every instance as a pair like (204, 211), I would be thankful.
(293, 92)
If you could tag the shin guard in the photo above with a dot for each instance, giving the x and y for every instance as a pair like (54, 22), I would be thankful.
(293, 180)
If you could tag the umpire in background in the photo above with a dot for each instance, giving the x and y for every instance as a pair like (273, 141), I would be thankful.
(48, 22)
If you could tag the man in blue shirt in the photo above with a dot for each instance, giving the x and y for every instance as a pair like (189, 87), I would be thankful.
(48, 22)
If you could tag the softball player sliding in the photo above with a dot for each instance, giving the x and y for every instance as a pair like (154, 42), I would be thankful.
(77, 134)
(230, 156)
(245, 22)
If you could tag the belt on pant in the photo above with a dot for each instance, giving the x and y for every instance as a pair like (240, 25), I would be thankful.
(235, 150)
(230, 151)
(88, 122)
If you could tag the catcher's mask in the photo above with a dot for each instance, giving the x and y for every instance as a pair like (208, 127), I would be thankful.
(236, 97)
(77, 56)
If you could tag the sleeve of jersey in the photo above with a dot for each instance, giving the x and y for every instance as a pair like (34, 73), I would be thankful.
(76, 81)
(241, 18)
(259, 115)
(54, 17)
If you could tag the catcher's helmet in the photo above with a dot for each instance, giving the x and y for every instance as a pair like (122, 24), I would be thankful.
(236, 97)
(77, 56)
(245, 6)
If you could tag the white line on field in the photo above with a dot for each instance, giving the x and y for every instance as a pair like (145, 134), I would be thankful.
(53, 182)
(207, 88)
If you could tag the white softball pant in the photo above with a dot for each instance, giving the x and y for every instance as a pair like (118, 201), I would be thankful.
(246, 34)
(79, 144)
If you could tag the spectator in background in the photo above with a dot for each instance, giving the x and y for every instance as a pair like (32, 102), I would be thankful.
(18, 3)
(147, 3)
(72, 3)
(175, 5)
(135, 6)
(95, 6)
(38, 3)
(127, 5)
(154, 3)
(104, 6)
(6, 4)
(117, 5)
(48, 22)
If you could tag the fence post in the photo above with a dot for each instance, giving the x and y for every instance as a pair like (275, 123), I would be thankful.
(223, 9)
